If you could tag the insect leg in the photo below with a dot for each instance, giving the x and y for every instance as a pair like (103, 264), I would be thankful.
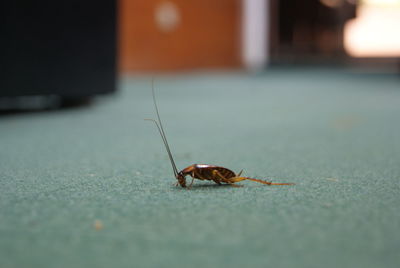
(220, 177)
(201, 177)
(217, 181)
(237, 179)
(190, 185)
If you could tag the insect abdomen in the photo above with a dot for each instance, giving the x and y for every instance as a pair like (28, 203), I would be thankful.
(206, 172)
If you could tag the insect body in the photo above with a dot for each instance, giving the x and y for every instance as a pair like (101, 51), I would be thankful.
(213, 173)
(217, 174)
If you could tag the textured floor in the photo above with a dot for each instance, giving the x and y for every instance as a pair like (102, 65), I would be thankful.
(93, 187)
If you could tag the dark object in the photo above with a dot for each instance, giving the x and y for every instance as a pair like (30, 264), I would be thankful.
(309, 31)
(201, 171)
(61, 48)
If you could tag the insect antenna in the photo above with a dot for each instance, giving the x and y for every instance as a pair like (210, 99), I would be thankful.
(166, 145)
(161, 131)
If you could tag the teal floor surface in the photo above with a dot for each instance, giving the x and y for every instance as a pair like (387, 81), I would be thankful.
(93, 187)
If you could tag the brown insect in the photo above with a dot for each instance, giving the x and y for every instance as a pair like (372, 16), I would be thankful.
(213, 173)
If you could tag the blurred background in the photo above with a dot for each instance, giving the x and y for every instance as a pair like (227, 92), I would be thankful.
(301, 91)
(76, 50)
(253, 34)
(182, 35)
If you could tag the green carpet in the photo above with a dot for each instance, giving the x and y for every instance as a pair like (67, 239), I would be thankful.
(93, 187)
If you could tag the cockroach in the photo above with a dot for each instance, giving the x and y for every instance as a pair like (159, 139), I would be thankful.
(213, 173)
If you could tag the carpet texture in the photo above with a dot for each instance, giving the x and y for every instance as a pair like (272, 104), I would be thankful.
(93, 186)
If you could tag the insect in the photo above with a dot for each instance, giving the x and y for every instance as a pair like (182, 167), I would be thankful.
(213, 173)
